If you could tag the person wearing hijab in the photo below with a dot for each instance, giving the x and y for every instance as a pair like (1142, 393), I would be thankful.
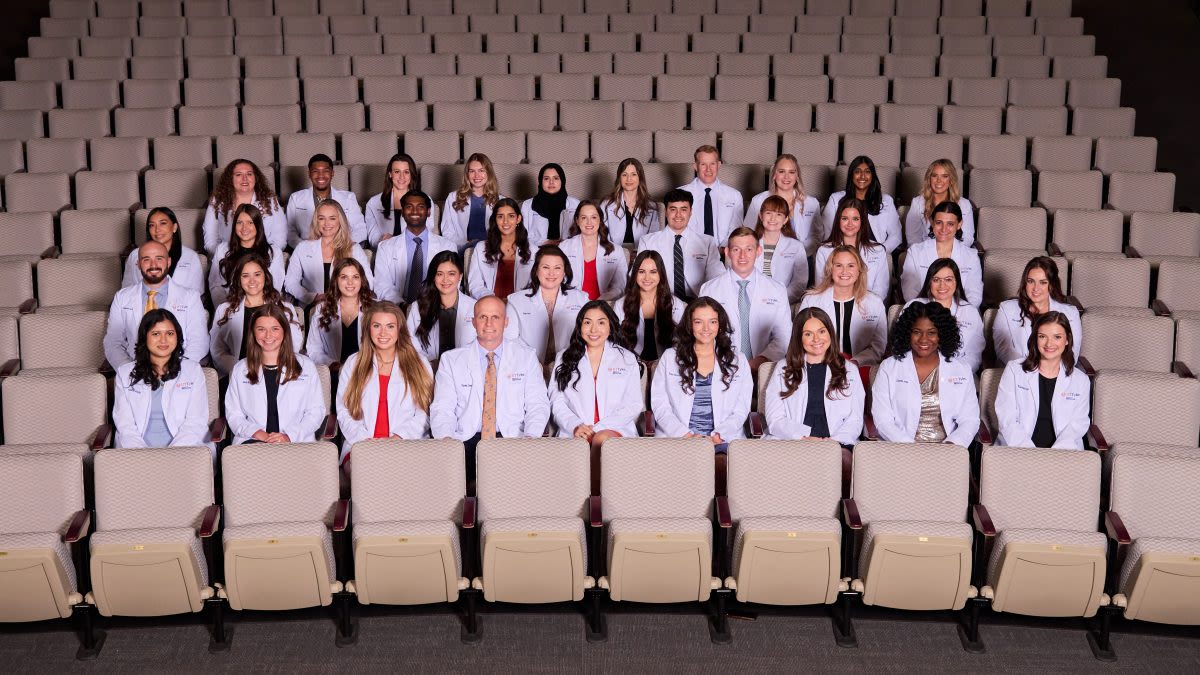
(549, 214)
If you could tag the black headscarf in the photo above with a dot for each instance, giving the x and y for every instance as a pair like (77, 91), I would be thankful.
(551, 206)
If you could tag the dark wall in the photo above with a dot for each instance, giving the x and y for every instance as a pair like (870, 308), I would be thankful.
(20, 22)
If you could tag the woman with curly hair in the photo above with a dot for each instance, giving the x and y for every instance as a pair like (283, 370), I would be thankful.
(252, 292)
(501, 263)
(852, 227)
(702, 386)
(943, 285)
(248, 237)
(648, 308)
(628, 209)
(811, 393)
(1040, 292)
(1043, 401)
(242, 182)
(930, 397)
(442, 318)
(160, 399)
(163, 226)
(309, 269)
(859, 317)
(800, 208)
(862, 183)
(946, 243)
(607, 406)
(468, 209)
(600, 265)
(336, 326)
(940, 184)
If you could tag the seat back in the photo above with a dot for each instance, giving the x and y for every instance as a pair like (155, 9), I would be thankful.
(762, 478)
(1155, 494)
(910, 481)
(989, 384)
(42, 345)
(760, 388)
(1111, 282)
(1177, 284)
(657, 477)
(531, 477)
(152, 488)
(393, 479)
(1129, 407)
(1040, 488)
(279, 482)
(33, 408)
(1107, 346)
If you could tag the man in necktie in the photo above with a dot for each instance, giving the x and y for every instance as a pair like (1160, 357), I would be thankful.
(691, 257)
(401, 261)
(719, 206)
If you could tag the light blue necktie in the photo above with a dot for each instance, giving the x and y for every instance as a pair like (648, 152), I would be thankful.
(744, 318)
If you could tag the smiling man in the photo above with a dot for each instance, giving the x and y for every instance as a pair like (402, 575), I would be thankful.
(690, 257)
(402, 260)
(718, 207)
(302, 203)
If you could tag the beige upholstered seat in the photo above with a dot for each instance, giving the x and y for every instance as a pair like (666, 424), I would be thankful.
(657, 495)
(533, 497)
(1048, 559)
(407, 497)
(787, 546)
(45, 497)
(34, 407)
(153, 505)
(912, 502)
(1128, 407)
(280, 501)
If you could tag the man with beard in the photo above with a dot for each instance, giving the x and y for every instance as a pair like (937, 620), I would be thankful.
(402, 261)
(154, 292)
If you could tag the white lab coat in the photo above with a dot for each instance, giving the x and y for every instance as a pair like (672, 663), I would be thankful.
(803, 215)
(1018, 399)
(970, 328)
(727, 204)
(379, 225)
(522, 408)
(879, 268)
(481, 274)
(916, 228)
(464, 328)
(225, 340)
(538, 227)
(701, 258)
(300, 211)
(305, 270)
(324, 345)
(528, 321)
(189, 272)
(921, 255)
(617, 389)
(868, 324)
(454, 223)
(216, 283)
(128, 307)
(392, 260)
(405, 419)
(220, 228)
(770, 317)
(843, 412)
(885, 225)
(1010, 333)
(300, 402)
(184, 406)
(611, 268)
(789, 266)
(672, 406)
(614, 217)
(896, 400)
(677, 308)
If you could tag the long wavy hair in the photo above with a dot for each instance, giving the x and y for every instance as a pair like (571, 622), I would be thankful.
(953, 209)
(949, 335)
(798, 193)
(143, 369)
(685, 345)
(491, 189)
(874, 197)
(331, 299)
(642, 204)
(261, 246)
(576, 347)
(1033, 356)
(865, 239)
(385, 200)
(491, 244)
(343, 243)
(175, 250)
(289, 365)
(953, 191)
(1050, 268)
(860, 285)
(775, 204)
(237, 295)
(601, 232)
(412, 369)
(937, 266)
(429, 300)
(795, 363)
(631, 304)
(224, 195)
(544, 251)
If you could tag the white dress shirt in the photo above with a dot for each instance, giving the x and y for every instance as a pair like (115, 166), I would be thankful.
(727, 208)
(393, 258)
(379, 225)
(701, 258)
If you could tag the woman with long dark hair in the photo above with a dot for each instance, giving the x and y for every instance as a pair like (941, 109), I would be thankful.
(336, 325)
(862, 183)
(252, 293)
(702, 386)
(549, 213)
(947, 242)
(383, 210)
(543, 315)
(242, 182)
(442, 317)
(600, 266)
(1040, 292)
(943, 285)
(1043, 401)
(163, 226)
(648, 308)
(248, 237)
(501, 263)
(811, 393)
(852, 227)
(628, 210)
(160, 399)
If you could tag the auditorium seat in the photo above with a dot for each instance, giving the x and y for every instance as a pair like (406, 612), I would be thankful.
(1127, 408)
(28, 236)
(1060, 153)
(99, 232)
(1113, 286)
(1158, 236)
(1129, 154)
(1107, 344)
(1094, 233)
(33, 408)
(59, 289)
(1069, 190)
(119, 154)
(1141, 191)
(16, 292)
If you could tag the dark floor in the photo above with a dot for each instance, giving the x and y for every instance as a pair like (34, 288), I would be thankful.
(640, 640)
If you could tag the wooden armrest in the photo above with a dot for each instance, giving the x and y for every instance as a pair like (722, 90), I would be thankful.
(341, 516)
(1074, 302)
(207, 362)
(756, 425)
(1131, 252)
(850, 514)
(329, 429)
(1086, 366)
(217, 430)
(28, 306)
(595, 515)
(106, 369)
(210, 521)
(1182, 370)
(1054, 250)
(723, 518)
(101, 437)
(985, 434)
(334, 369)
(645, 423)
(51, 252)
(11, 367)
(869, 429)
(1096, 440)
(129, 248)
(1160, 308)
(982, 520)
(78, 529)
(1114, 527)
(469, 504)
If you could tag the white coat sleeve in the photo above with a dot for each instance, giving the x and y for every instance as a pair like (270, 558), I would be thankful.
(293, 283)
(741, 389)
(513, 330)
(751, 218)
(275, 226)
(416, 423)
(235, 414)
(915, 229)
(221, 357)
(713, 268)
(1078, 415)
(1006, 410)
(445, 399)
(780, 422)
(537, 404)
(315, 346)
(211, 229)
(973, 344)
(476, 286)
(799, 281)
(968, 222)
(967, 418)
(616, 284)
(358, 223)
(873, 351)
(311, 414)
(1002, 338)
(294, 234)
(385, 285)
(195, 345)
(1076, 332)
(132, 274)
(451, 228)
(195, 419)
(890, 225)
(632, 404)
(361, 256)
(973, 282)
(666, 423)
(827, 218)
(911, 279)
(883, 408)
(560, 406)
(123, 422)
(375, 227)
(850, 428)
(116, 349)
(781, 334)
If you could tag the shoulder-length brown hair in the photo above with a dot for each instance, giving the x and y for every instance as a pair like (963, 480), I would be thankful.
(417, 379)
(237, 296)
(1050, 268)
(794, 363)
(1033, 357)
(601, 232)
(289, 365)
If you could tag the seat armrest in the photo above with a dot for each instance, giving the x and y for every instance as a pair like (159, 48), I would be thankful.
(723, 518)
(329, 429)
(10, 367)
(210, 521)
(1096, 440)
(869, 429)
(1182, 370)
(78, 528)
(106, 369)
(334, 369)
(1086, 366)
(51, 252)
(1160, 308)
(847, 470)
(1074, 302)
(595, 514)
(645, 423)
(28, 306)
(1131, 252)
(756, 425)
(985, 434)
(850, 514)
(341, 515)
(217, 429)
(982, 520)
(1115, 528)
(469, 504)
(1055, 250)
(101, 437)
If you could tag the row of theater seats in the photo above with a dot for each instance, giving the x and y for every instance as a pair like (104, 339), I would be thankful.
(780, 522)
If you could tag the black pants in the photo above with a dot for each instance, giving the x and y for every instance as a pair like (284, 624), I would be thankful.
(469, 445)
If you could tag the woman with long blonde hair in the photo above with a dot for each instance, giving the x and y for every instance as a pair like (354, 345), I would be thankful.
(309, 268)
(940, 184)
(466, 212)
(859, 317)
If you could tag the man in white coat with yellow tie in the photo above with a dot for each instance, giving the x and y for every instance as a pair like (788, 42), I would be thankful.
(154, 292)
(402, 261)
(492, 388)
(717, 209)
(302, 203)
(757, 304)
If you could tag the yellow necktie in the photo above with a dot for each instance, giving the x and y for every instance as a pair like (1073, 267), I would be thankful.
(488, 429)
(150, 303)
